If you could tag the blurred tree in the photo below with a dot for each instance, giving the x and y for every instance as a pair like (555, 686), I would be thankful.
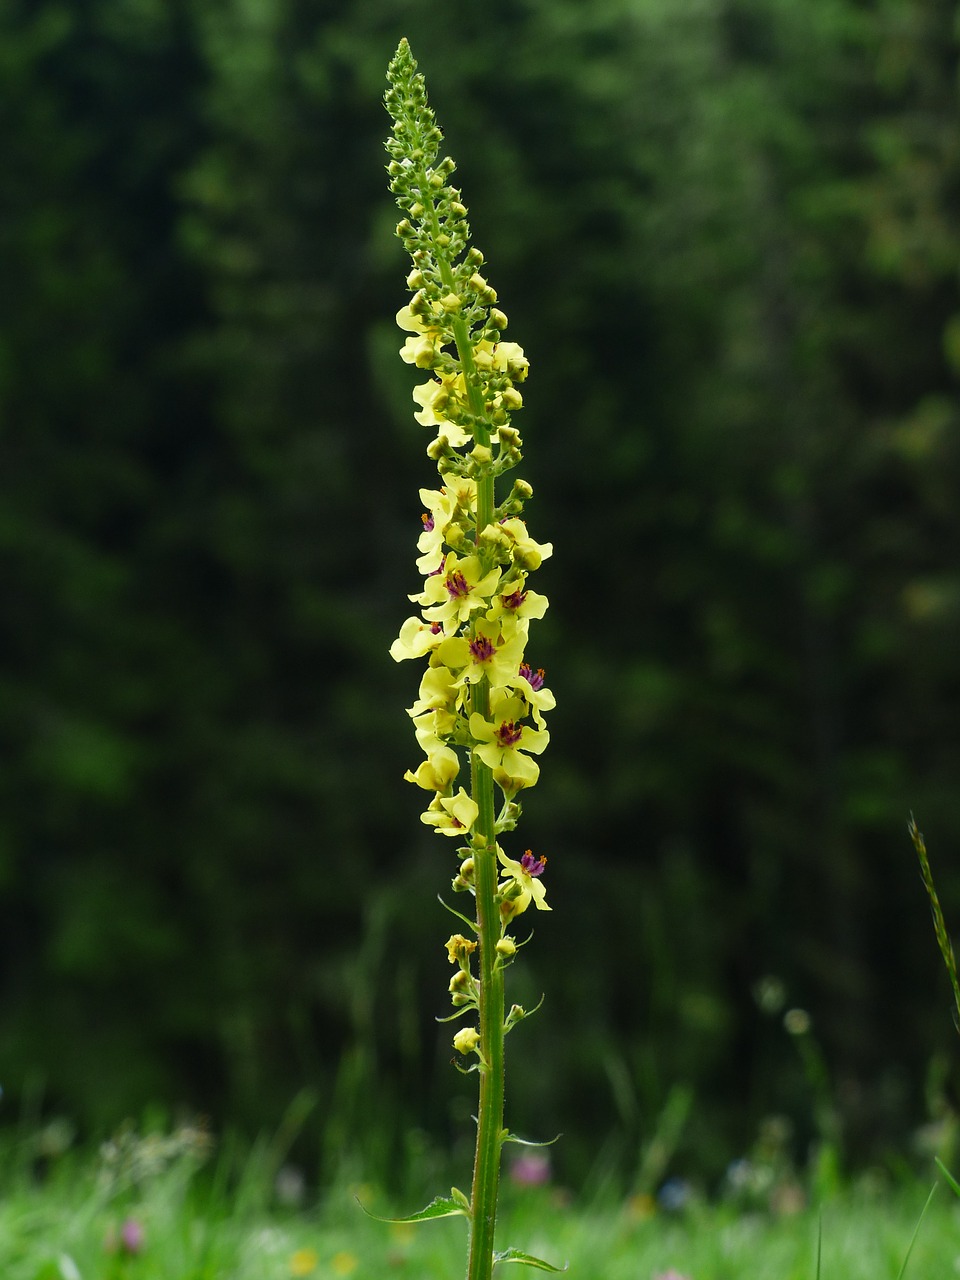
(726, 237)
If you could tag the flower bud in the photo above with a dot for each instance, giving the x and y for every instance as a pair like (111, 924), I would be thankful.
(466, 1039)
(419, 306)
(485, 292)
(797, 1022)
(518, 367)
(506, 947)
(509, 817)
(510, 908)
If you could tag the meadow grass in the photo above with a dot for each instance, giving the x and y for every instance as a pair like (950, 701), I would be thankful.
(173, 1221)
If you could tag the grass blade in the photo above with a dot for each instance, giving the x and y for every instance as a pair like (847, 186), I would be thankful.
(916, 1231)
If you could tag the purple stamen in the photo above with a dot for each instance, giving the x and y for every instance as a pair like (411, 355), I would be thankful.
(509, 733)
(428, 523)
(482, 649)
(533, 678)
(457, 585)
(514, 600)
(531, 865)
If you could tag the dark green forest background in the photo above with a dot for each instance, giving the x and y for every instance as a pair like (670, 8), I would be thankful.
(726, 234)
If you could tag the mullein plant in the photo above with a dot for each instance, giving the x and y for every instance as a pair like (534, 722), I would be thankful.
(480, 710)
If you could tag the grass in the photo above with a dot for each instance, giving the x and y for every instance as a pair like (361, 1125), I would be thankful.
(68, 1223)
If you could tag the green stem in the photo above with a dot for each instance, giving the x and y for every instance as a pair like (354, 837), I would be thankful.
(486, 1169)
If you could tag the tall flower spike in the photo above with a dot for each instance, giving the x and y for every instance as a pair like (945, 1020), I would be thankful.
(481, 701)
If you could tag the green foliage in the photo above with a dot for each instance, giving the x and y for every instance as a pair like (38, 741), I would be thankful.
(731, 237)
(226, 1220)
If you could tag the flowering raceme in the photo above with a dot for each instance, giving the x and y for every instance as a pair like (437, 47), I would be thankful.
(481, 705)
(480, 696)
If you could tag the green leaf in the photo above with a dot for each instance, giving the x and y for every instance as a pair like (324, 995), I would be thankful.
(916, 1231)
(441, 1207)
(507, 1136)
(526, 1259)
(819, 1240)
(472, 924)
(951, 1180)
(466, 1008)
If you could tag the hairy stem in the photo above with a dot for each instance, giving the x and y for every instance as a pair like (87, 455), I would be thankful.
(486, 1169)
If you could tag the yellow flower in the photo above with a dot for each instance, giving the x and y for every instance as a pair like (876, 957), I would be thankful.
(423, 349)
(416, 638)
(502, 742)
(451, 815)
(460, 588)
(502, 357)
(518, 603)
(438, 770)
(344, 1262)
(525, 877)
(459, 494)
(462, 489)
(439, 691)
(435, 727)
(529, 685)
(303, 1262)
(433, 397)
(526, 553)
(459, 947)
(486, 653)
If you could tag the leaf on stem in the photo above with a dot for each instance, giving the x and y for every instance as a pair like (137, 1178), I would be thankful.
(454, 912)
(507, 1136)
(527, 1260)
(467, 1008)
(440, 1207)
